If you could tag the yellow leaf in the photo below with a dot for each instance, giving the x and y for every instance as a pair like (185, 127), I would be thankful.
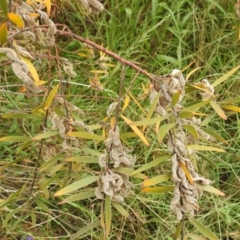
(232, 108)
(51, 96)
(126, 102)
(3, 33)
(188, 175)
(113, 121)
(16, 19)
(31, 69)
(226, 76)
(193, 71)
(47, 3)
(136, 130)
(150, 121)
(204, 148)
(218, 110)
(135, 100)
(158, 190)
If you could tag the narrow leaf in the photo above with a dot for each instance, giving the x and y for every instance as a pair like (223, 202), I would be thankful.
(45, 135)
(214, 134)
(79, 196)
(121, 209)
(225, 76)
(195, 107)
(193, 71)
(196, 237)
(77, 185)
(186, 114)
(218, 110)
(178, 231)
(48, 164)
(3, 6)
(202, 229)
(204, 148)
(136, 130)
(51, 96)
(22, 116)
(16, 19)
(126, 102)
(149, 121)
(15, 139)
(187, 173)
(83, 159)
(164, 130)
(108, 216)
(210, 189)
(86, 135)
(47, 3)
(151, 164)
(3, 33)
(157, 180)
(129, 171)
(232, 108)
(31, 69)
(176, 97)
(84, 230)
(158, 189)
(191, 129)
(152, 108)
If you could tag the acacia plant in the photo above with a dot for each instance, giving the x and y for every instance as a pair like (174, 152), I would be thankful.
(60, 156)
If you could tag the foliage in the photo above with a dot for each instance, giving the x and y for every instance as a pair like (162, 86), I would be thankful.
(93, 146)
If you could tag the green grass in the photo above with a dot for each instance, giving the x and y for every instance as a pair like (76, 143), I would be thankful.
(159, 36)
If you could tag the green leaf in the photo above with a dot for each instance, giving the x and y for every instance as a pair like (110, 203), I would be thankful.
(218, 110)
(164, 130)
(178, 231)
(196, 237)
(3, 33)
(225, 76)
(108, 215)
(157, 179)
(42, 205)
(214, 134)
(83, 159)
(3, 6)
(151, 164)
(204, 148)
(84, 230)
(77, 185)
(186, 114)
(195, 107)
(210, 189)
(176, 97)
(86, 135)
(129, 171)
(79, 196)
(15, 139)
(121, 209)
(45, 135)
(204, 230)
(158, 189)
(191, 129)
(149, 121)
(50, 162)
(51, 96)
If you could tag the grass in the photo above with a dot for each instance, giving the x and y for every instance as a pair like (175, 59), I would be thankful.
(159, 36)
